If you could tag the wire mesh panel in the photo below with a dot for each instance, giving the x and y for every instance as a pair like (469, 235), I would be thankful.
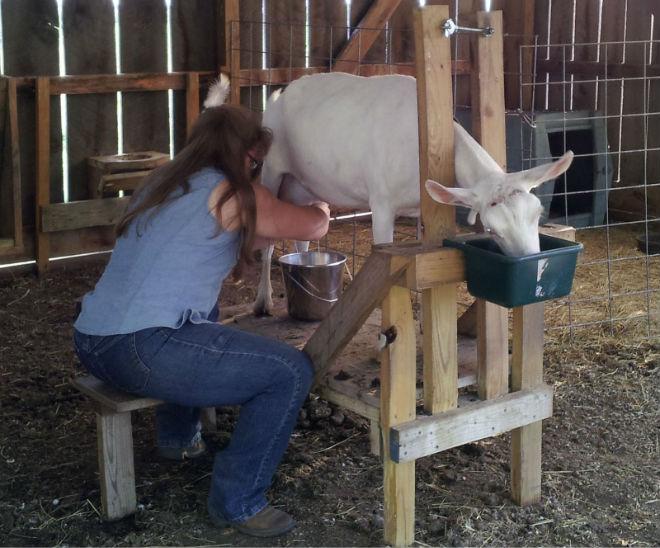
(595, 89)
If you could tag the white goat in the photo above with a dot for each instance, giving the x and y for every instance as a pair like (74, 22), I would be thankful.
(352, 141)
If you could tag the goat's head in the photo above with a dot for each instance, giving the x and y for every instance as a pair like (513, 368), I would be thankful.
(507, 209)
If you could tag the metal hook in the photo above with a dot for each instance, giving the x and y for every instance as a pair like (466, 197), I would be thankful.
(449, 28)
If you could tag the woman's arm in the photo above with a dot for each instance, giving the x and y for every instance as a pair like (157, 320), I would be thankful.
(276, 219)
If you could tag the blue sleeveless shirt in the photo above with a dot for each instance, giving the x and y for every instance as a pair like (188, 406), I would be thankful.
(166, 270)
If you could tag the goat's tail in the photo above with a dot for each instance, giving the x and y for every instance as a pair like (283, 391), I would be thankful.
(275, 95)
(218, 92)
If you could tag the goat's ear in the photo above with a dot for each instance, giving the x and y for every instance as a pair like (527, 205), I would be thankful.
(532, 178)
(472, 163)
(452, 196)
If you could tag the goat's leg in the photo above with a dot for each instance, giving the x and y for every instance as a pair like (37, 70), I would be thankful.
(263, 304)
(382, 225)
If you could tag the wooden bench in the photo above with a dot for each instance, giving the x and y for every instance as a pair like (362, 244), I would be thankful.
(115, 442)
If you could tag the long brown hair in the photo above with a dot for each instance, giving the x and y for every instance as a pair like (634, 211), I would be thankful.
(220, 138)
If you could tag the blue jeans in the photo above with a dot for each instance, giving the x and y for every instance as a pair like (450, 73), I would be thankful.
(206, 365)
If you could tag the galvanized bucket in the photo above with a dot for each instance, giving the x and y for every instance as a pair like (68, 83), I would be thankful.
(313, 282)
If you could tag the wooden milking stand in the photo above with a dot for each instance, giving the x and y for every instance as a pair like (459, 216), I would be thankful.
(392, 271)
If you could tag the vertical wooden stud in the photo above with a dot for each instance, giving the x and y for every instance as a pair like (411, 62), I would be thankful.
(192, 100)
(527, 372)
(12, 110)
(489, 127)
(398, 395)
(374, 438)
(233, 49)
(436, 161)
(43, 170)
(116, 466)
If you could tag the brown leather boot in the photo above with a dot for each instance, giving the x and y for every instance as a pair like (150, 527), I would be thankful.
(269, 522)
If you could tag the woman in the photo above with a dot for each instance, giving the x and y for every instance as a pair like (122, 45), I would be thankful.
(149, 326)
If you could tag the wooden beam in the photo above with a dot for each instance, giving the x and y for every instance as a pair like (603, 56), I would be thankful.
(518, 63)
(234, 53)
(111, 83)
(398, 398)
(436, 159)
(428, 435)
(370, 286)
(526, 374)
(192, 100)
(369, 28)
(16, 162)
(82, 214)
(114, 182)
(489, 127)
(232, 19)
(430, 264)
(285, 75)
(43, 170)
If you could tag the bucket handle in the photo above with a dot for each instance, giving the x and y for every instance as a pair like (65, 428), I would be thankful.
(309, 292)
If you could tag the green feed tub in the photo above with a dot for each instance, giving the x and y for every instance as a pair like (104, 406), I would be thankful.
(517, 281)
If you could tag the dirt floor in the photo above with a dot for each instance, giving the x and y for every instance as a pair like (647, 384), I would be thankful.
(601, 451)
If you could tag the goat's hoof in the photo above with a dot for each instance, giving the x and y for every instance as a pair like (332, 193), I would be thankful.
(263, 308)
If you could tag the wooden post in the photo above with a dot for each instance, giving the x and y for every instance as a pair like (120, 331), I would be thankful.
(116, 466)
(398, 395)
(489, 126)
(436, 161)
(527, 373)
(233, 45)
(192, 100)
(43, 170)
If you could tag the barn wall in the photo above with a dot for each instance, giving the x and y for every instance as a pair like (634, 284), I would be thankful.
(31, 49)
(626, 132)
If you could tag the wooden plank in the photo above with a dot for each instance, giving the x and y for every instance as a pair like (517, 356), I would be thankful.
(116, 466)
(111, 83)
(43, 169)
(194, 49)
(192, 100)
(519, 26)
(369, 287)
(143, 47)
(10, 172)
(115, 182)
(361, 40)
(526, 374)
(328, 20)
(355, 405)
(398, 399)
(82, 214)
(92, 119)
(428, 435)
(489, 127)
(14, 140)
(436, 159)
(230, 11)
(114, 400)
(235, 63)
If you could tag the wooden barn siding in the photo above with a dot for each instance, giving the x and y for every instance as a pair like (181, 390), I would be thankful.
(194, 48)
(92, 119)
(144, 49)
(31, 48)
(609, 100)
